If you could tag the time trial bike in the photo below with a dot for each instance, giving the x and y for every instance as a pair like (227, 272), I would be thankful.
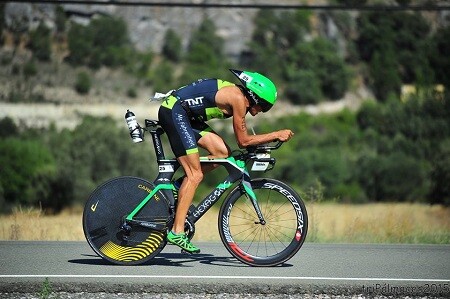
(262, 221)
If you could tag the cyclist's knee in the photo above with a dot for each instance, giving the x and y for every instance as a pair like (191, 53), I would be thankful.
(223, 152)
(195, 177)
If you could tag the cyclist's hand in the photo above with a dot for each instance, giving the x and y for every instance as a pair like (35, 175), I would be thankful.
(284, 135)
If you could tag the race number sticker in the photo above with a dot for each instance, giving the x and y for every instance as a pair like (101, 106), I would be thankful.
(245, 77)
(166, 168)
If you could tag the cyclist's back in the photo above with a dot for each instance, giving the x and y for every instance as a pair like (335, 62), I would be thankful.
(199, 97)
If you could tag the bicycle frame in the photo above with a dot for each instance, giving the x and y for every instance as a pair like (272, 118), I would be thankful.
(134, 215)
(235, 167)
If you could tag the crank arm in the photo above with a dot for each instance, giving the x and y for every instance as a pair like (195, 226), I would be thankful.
(162, 227)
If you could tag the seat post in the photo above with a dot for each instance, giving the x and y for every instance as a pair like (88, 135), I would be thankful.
(159, 150)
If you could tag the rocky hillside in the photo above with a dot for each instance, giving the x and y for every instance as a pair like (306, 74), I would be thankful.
(147, 27)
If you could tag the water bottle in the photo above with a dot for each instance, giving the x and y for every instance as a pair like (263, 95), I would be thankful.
(133, 126)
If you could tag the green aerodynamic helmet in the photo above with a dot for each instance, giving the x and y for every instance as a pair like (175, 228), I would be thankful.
(259, 89)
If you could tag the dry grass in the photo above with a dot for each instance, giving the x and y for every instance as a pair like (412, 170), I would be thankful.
(370, 223)
(379, 223)
(32, 224)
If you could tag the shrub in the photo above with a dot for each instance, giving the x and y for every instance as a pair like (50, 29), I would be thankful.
(172, 48)
(40, 42)
(103, 42)
(27, 168)
(83, 83)
(29, 69)
(304, 88)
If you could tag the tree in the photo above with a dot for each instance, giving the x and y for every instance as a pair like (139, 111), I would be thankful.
(395, 45)
(8, 128)
(440, 176)
(304, 87)
(274, 36)
(98, 151)
(261, 53)
(2, 21)
(40, 42)
(438, 56)
(103, 42)
(79, 40)
(384, 74)
(387, 175)
(27, 168)
(83, 83)
(205, 57)
(163, 78)
(331, 69)
(172, 48)
(311, 69)
(319, 57)
(60, 19)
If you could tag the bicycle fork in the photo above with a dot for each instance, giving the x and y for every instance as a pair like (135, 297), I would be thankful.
(248, 190)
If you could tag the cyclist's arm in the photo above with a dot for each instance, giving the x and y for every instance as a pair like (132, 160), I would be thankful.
(232, 101)
(244, 139)
(241, 132)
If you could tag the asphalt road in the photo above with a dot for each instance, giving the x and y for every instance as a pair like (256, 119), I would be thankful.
(335, 269)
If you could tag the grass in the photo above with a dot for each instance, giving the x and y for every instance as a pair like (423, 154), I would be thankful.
(328, 223)
(379, 223)
(33, 224)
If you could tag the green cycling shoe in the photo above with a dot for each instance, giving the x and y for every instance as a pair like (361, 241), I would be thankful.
(182, 241)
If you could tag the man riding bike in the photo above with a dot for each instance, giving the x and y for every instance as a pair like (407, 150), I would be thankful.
(183, 116)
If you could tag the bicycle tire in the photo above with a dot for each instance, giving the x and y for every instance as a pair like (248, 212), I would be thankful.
(105, 211)
(273, 243)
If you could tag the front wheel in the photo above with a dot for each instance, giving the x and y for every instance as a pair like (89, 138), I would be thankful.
(263, 244)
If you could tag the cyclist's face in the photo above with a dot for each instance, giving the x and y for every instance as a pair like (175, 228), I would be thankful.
(255, 109)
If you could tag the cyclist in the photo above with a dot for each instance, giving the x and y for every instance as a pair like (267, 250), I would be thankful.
(183, 115)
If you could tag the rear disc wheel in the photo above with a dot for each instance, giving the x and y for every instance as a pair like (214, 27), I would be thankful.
(104, 215)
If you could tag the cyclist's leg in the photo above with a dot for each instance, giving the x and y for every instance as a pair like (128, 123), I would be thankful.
(212, 142)
(215, 145)
(217, 148)
(183, 141)
(194, 175)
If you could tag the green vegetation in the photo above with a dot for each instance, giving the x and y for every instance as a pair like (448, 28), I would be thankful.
(54, 169)
(47, 291)
(389, 150)
(83, 84)
(387, 49)
(311, 70)
(40, 42)
(172, 49)
(204, 56)
(397, 50)
(385, 152)
(103, 42)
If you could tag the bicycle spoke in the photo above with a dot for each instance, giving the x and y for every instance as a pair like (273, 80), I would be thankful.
(271, 242)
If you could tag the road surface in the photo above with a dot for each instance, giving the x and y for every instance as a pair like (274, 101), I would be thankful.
(334, 269)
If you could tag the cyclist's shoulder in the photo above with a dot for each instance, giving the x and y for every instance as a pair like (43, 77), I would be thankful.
(204, 85)
(212, 82)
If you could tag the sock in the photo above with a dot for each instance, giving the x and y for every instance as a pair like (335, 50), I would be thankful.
(177, 183)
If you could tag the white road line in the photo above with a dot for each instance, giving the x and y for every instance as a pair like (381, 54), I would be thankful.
(230, 277)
